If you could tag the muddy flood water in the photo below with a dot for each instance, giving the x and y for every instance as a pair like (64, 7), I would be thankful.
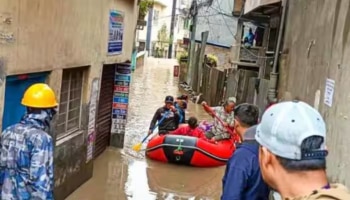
(122, 174)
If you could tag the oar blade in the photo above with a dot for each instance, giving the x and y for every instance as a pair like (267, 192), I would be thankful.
(137, 147)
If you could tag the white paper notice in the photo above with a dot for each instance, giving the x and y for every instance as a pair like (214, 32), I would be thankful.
(329, 92)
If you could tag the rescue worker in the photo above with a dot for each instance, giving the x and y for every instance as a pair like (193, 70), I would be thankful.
(171, 118)
(26, 160)
(225, 113)
(191, 129)
(292, 153)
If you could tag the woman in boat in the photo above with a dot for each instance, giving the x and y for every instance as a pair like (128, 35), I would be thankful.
(225, 112)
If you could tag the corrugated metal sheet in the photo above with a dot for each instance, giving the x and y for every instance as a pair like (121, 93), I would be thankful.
(103, 125)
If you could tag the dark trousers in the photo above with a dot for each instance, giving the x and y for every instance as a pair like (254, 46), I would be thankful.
(164, 132)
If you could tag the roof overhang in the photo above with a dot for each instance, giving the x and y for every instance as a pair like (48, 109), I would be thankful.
(253, 5)
(259, 11)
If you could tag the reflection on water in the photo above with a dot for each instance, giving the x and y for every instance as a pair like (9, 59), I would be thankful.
(125, 174)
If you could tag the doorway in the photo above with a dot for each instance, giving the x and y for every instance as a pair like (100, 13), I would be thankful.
(15, 87)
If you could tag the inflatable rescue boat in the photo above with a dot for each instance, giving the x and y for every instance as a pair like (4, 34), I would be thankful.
(188, 150)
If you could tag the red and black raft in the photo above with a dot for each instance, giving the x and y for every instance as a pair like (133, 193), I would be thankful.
(188, 150)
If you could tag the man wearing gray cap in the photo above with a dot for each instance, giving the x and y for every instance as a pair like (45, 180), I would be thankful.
(242, 179)
(292, 154)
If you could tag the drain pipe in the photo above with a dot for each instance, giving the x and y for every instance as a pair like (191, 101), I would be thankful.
(272, 94)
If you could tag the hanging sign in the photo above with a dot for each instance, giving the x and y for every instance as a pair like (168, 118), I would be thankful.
(116, 32)
(120, 98)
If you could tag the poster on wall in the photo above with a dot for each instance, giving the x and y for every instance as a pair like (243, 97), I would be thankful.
(121, 98)
(116, 32)
(91, 123)
(329, 92)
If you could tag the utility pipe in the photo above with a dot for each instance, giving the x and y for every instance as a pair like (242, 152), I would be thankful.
(272, 94)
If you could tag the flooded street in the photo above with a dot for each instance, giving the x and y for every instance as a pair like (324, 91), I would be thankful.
(125, 174)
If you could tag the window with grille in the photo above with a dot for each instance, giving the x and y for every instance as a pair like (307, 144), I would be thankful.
(156, 17)
(70, 102)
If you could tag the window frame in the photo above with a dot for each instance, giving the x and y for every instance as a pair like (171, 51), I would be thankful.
(66, 133)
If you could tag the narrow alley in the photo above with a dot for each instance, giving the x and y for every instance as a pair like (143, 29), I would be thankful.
(125, 174)
(81, 81)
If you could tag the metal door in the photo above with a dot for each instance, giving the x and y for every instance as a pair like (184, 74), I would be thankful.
(103, 125)
(15, 88)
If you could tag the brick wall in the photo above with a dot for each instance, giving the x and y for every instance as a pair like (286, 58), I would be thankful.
(222, 53)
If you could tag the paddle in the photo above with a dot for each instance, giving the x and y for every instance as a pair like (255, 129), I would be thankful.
(137, 147)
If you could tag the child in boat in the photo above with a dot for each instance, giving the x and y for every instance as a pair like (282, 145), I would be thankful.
(205, 126)
(191, 129)
(181, 106)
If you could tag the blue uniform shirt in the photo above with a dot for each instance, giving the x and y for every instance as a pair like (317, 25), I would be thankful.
(242, 179)
(26, 160)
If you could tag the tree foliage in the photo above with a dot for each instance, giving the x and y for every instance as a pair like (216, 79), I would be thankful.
(163, 34)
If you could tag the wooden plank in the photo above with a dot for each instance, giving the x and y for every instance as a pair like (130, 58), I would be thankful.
(201, 59)
(206, 90)
(220, 87)
(225, 84)
(251, 90)
(231, 83)
(244, 76)
(214, 75)
(245, 64)
(183, 71)
(195, 68)
(205, 77)
(261, 101)
(217, 86)
(240, 87)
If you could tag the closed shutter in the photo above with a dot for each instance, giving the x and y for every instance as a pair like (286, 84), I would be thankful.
(103, 127)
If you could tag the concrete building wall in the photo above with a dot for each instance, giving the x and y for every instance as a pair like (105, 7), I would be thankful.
(216, 18)
(317, 47)
(164, 9)
(164, 17)
(49, 35)
(222, 53)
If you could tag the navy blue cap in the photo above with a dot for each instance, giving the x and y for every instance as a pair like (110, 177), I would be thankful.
(169, 99)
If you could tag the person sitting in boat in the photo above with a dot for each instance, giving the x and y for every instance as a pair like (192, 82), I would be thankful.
(220, 131)
(182, 97)
(170, 116)
(181, 106)
(205, 126)
(191, 129)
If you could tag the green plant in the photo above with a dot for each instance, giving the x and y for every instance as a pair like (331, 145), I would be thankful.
(162, 36)
(144, 6)
(212, 60)
(182, 57)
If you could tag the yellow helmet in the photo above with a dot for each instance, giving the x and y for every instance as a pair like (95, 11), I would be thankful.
(39, 95)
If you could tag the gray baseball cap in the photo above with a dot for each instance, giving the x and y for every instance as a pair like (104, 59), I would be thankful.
(284, 127)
